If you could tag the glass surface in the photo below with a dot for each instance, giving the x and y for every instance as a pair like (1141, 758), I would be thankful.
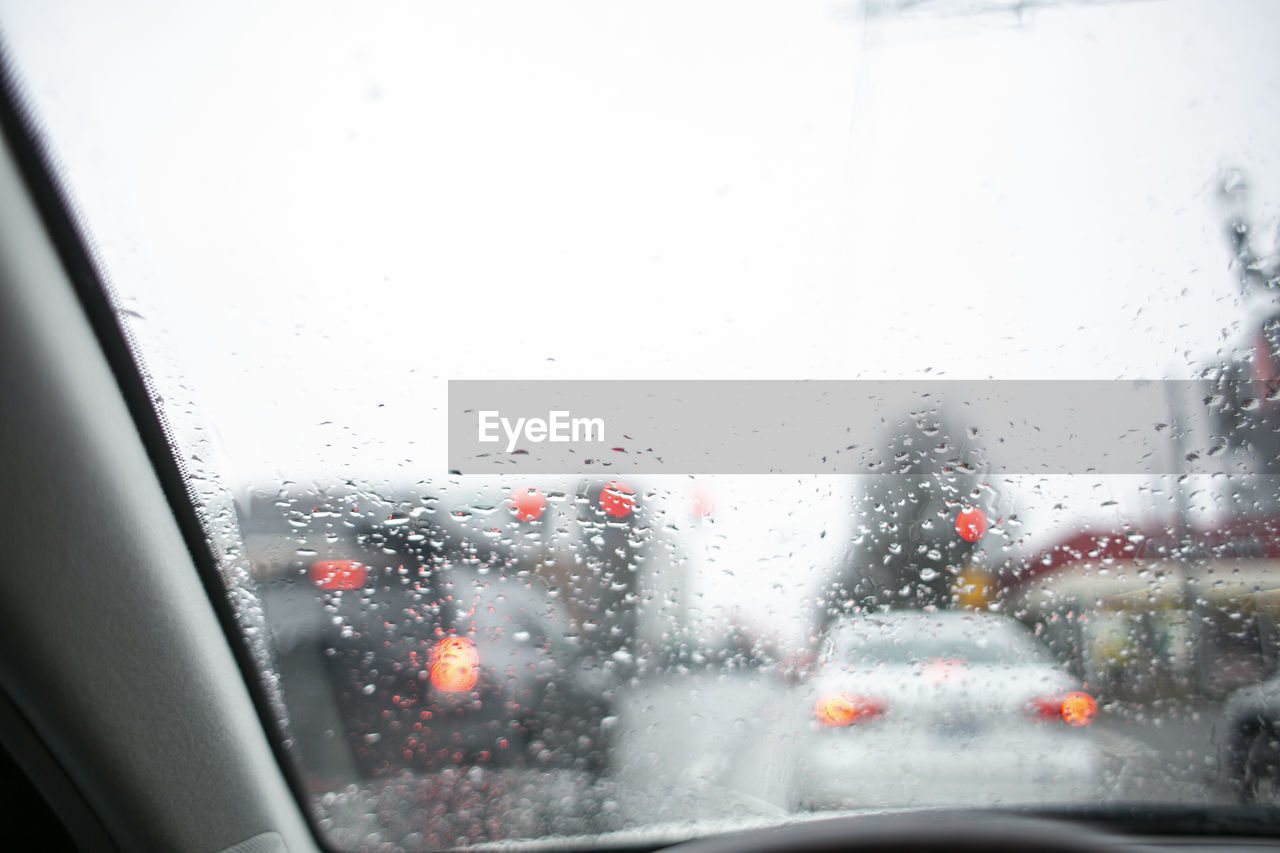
(311, 219)
(872, 642)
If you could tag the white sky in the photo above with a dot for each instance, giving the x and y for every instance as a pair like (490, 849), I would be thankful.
(321, 213)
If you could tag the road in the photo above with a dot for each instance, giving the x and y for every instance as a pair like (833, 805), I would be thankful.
(712, 749)
(713, 744)
(1162, 752)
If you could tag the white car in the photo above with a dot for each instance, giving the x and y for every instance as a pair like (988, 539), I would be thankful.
(942, 708)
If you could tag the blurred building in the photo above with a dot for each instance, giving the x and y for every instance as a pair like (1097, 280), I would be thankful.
(1151, 609)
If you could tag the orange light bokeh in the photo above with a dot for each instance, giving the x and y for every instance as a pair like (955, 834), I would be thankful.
(1079, 709)
(841, 709)
(455, 664)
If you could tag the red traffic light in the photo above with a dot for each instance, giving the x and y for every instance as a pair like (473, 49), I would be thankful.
(338, 574)
(617, 499)
(527, 503)
(971, 523)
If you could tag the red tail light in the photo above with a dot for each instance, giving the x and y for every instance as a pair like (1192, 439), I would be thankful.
(1075, 708)
(841, 709)
(338, 574)
(971, 523)
(455, 664)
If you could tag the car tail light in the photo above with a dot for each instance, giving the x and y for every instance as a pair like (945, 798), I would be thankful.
(1075, 708)
(841, 709)
(338, 574)
(455, 664)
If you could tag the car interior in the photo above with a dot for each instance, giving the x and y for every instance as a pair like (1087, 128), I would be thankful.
(132, 715)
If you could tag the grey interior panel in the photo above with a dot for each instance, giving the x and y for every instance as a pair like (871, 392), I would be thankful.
(112, 648)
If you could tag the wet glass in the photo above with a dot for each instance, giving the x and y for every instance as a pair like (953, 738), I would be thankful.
(977, 650)
(311, 220)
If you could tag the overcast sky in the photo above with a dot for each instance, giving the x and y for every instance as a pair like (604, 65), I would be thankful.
(318, 214)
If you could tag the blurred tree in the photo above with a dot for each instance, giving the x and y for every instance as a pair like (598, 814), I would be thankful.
(604, 580)
(1247, 399)
(905, 550)
(1255, 272)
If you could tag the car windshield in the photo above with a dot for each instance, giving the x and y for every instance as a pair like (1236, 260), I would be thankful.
(553, 379)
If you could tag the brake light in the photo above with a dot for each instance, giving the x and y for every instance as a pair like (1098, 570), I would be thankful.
(1075, 708)
(617, 499)
(971, 523)
(455, 664)
(527, 503)
(1079, 709)
(338, 574)
(841, 709)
